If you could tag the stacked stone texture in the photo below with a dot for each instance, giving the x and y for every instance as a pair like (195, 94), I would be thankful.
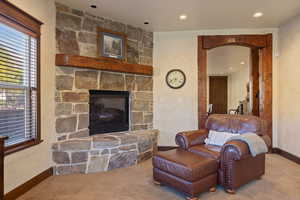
(75, 151)
(103, 152)
(76, 33)
(72, 99)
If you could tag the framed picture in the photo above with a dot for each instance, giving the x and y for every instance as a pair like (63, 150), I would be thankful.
(112, 45)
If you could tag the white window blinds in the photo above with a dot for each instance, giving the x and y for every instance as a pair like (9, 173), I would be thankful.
(18, 85)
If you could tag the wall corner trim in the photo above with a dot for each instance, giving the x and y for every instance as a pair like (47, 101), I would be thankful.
(25, 187)
(286, 155)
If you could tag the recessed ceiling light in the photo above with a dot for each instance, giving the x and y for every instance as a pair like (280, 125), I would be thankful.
(242, 63)
(258, 14)
(93, 6)
(182, 17)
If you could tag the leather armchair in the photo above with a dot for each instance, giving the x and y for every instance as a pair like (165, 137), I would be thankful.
(236, 165)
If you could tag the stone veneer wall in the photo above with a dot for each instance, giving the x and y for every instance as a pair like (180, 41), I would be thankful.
(76, 33)
(75, 151)
(72, 99)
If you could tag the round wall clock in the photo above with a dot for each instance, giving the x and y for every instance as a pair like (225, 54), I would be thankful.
(175, 78)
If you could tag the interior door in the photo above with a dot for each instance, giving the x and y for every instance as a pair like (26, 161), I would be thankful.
(218, 94)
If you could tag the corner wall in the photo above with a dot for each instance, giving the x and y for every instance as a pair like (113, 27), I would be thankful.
(176, 110)
(23, 165)
(289, 90)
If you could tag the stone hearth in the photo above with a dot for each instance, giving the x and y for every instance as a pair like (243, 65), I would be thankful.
(103, 152)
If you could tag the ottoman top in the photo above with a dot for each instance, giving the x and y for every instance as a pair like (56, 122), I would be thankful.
(184, 164)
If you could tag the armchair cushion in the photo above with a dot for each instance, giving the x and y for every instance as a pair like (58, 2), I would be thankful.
(188, 139)
(207, 151)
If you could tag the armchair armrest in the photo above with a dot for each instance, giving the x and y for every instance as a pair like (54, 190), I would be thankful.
(238, 149)
(234, 150)
(235, 168)
(188, 139)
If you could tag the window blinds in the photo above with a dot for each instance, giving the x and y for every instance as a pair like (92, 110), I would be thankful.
(18, 85)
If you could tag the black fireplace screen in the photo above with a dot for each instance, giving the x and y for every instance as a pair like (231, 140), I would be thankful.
(109, 111)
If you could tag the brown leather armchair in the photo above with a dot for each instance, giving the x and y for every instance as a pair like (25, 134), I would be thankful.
(236, 165)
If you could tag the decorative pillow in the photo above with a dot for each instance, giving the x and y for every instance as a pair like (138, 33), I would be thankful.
(218, 138)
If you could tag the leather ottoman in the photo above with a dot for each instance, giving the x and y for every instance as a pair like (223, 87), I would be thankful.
(185, 171)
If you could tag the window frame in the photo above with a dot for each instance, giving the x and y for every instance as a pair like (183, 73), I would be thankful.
(21, 21)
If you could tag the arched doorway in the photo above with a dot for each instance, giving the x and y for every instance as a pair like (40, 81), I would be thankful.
(261, 54)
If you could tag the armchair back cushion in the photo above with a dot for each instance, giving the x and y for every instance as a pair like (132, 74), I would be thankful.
(235, 124)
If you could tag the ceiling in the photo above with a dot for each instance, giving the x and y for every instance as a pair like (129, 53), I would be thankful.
(163, 15)
(227, 60)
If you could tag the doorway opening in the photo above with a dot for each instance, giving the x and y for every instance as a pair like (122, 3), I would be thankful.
(258, 88)
(228, 71)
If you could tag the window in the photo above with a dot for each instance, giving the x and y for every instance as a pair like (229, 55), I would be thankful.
(18, 62)
(19, 72)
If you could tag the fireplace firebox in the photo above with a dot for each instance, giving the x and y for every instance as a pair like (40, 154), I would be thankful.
(109, 111)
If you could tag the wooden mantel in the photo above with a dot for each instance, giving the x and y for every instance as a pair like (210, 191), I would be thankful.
(101, 64)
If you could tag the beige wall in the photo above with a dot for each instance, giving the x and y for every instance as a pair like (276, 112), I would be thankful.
(176, 110)
(237, 90)
(22, 166)
(289, 90)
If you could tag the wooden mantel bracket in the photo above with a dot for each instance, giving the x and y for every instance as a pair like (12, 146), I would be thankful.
(67, 60)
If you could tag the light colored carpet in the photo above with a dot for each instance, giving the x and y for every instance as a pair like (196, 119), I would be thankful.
(281, 181)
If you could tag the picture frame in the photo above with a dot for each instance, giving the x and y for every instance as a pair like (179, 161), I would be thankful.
(111, 45)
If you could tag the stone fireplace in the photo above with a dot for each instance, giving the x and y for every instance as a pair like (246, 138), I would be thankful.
(73, 86)
(76, 151)
(109, 111)
(85, 147)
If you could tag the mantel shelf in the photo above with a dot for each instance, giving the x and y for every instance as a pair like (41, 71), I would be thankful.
(67, 60)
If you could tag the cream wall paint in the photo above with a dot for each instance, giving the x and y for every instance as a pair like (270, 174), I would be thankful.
(237, 90)
(22, 166)
(289, 91)
(227, 59)
(176, 110)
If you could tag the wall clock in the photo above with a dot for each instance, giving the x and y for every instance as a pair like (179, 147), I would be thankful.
(175, 78)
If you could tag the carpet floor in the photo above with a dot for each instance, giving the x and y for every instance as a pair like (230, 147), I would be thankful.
(281, 181)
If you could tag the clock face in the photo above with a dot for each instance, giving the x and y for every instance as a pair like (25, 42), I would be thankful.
(175, 79)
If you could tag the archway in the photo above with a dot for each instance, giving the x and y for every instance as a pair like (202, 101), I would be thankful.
(261, 46)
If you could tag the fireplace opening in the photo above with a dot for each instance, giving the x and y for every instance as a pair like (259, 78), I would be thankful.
(109, 111)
